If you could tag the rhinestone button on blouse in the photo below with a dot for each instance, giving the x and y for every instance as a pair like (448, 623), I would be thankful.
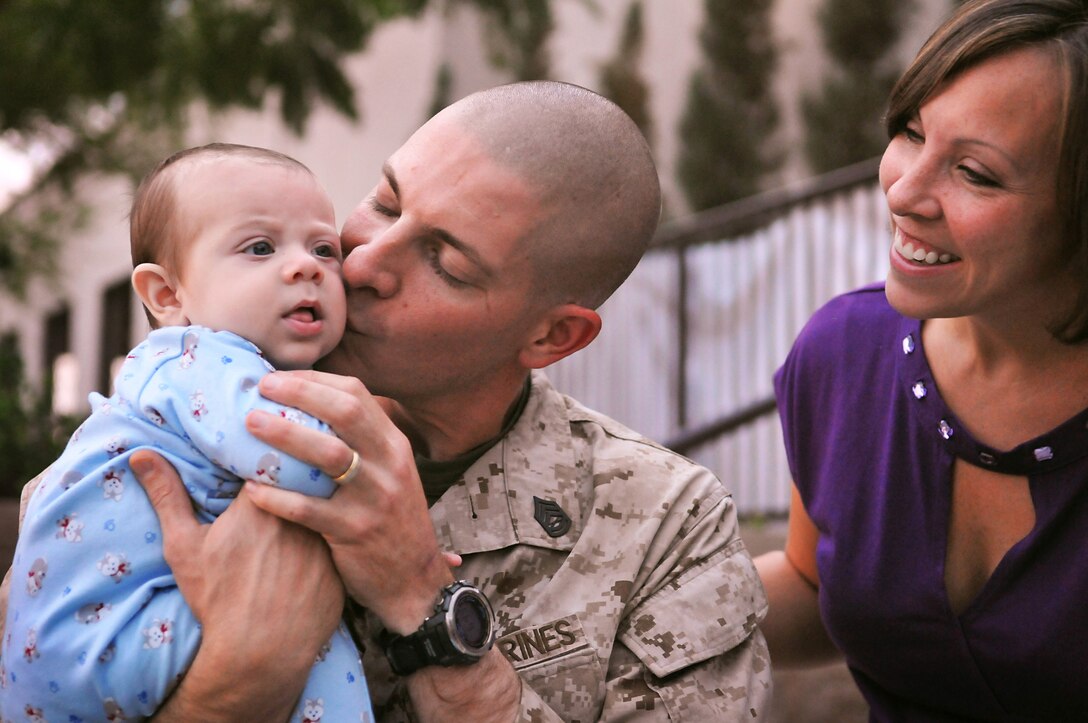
(919, 389)
(908, 344)
(945, 429)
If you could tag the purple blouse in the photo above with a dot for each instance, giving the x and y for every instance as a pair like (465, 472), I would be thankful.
(871, 446)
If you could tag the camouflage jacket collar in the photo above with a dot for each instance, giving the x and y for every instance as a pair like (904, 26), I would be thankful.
(527, 489)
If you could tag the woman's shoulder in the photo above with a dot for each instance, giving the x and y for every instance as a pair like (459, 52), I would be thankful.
(861, 309)
(851, 332)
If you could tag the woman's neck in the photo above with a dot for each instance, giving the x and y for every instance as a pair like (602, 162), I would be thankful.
(1008, 385)
(976, 346)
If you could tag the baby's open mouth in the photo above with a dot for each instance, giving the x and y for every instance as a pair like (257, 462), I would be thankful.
(305, 313)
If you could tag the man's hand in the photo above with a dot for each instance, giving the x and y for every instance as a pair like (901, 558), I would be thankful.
(376, 523)
(379, 530)
(265, 592)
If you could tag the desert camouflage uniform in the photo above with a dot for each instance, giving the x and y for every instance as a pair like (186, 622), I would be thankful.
(646, 607)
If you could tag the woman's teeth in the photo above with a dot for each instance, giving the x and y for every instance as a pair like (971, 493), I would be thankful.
(907, 251)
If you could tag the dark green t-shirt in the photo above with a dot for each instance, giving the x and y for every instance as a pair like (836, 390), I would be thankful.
(438, 476)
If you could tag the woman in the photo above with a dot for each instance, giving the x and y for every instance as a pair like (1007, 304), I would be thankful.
(937, 425)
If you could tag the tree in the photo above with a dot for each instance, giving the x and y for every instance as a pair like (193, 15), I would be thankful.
(519, 31)
(31, 438)
(843, 118)
(443, 87)
(60, 57)
(621, 80)
(108, 85)
(731, 113)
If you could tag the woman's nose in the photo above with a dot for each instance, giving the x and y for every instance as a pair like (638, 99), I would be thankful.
(911, 183)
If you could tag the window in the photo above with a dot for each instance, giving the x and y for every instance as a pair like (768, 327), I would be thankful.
(61, 366)
(115, 342)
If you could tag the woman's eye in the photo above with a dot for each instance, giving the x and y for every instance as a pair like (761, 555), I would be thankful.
(913, 135)
(977, 178)
(260, 248)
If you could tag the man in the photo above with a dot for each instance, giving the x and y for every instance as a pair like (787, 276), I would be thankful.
(619, 584)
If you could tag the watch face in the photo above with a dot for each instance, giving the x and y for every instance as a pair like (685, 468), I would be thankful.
(473, 621)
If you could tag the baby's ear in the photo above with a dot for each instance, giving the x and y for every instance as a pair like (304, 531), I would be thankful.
(158, 291)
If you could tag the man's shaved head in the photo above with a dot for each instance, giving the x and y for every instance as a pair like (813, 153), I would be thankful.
(592, 171)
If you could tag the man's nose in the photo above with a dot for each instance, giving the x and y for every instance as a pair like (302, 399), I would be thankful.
(376, 264)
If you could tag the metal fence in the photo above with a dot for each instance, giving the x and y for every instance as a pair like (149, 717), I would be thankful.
(692, 339)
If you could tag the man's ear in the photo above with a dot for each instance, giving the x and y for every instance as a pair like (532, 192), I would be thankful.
(158, 291)
(564, 330)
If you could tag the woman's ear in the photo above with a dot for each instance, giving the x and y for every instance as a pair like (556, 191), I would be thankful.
(158, 291)
(564, 330)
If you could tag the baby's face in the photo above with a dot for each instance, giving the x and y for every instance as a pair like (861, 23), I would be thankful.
(261, 257)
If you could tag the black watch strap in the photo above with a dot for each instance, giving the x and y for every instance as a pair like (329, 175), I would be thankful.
(459, 632)
(404, 652)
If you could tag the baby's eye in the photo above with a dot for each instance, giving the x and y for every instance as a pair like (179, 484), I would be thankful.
(326, 251)
(260, 248)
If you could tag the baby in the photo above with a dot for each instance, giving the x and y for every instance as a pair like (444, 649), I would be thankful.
(237, 261)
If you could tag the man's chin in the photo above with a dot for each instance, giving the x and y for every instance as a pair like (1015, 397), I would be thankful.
(339, 362)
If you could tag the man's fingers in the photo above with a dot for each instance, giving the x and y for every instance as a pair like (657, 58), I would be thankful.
(168, 496)
(309, 445)
(291, 506)
(344, 383)
(341, 402)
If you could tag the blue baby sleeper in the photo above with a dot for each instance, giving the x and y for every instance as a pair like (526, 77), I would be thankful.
(97, 628)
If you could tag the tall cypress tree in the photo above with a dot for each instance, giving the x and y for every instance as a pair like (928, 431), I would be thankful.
(731, 112)
(621, 80)
(843, 118)
(518, 36)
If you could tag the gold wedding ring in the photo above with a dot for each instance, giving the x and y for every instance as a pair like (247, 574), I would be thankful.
(349, 473)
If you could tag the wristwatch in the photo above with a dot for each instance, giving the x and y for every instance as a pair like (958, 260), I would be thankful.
(460, 632)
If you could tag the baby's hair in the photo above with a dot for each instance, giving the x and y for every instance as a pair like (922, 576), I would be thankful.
(153, 232)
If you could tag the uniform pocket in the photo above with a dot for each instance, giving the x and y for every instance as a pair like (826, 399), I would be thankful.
(556, 660)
